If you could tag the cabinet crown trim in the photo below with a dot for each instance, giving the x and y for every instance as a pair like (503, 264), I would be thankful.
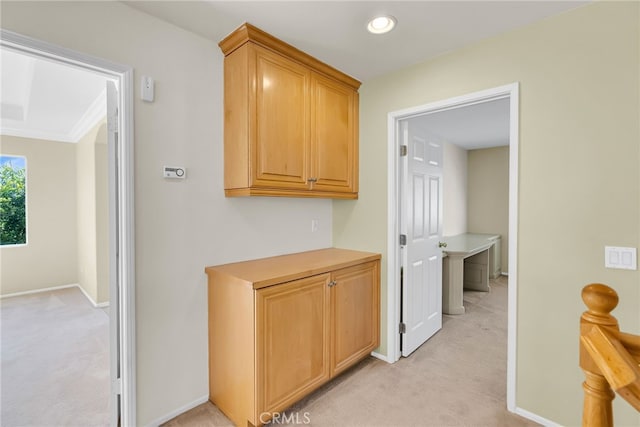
(249, 33)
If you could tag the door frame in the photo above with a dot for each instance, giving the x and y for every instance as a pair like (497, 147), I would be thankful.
(510, 91)
(122, 232)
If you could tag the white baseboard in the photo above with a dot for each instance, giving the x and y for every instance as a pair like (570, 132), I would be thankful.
(534, 417)
(93, 303)
(178, 411)
(55, 288)
(37, 291)
(380, 356)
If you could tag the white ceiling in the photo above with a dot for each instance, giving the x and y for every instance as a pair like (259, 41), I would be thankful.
(46, 100)
(472, 127)
(42, 98)
(335, 31)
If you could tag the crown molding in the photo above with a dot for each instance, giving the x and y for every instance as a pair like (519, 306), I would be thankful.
(36, 134)
(96, 112)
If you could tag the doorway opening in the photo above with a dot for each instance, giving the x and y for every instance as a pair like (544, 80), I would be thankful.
(395, 255)
(119, 126)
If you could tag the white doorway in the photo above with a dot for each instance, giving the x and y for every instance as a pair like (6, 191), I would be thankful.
(120, 183)
(395, 255)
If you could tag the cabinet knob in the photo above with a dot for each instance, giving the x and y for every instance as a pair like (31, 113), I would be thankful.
(312, 180)
(332, 283)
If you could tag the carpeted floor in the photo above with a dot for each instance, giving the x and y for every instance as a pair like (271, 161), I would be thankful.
(457, 378)
(55, 361)
(55, 372)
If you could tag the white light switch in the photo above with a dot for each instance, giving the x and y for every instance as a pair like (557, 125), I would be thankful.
(623, 258)
(314, 225)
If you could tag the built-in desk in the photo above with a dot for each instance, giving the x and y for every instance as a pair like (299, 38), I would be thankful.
(466, 264)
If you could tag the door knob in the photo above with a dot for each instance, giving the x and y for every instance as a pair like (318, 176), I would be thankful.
(442, 244)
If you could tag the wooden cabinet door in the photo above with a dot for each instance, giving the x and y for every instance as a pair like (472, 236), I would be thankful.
(333, 136)
(292, 324)
(281, 140)
(355, 306)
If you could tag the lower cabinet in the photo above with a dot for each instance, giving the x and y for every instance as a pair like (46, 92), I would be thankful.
(355, 308)
(293, 330)
(281, 327)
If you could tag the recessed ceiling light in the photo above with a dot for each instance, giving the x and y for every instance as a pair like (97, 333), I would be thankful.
(381, 24)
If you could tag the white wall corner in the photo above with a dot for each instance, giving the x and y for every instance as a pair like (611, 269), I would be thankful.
(91, 300)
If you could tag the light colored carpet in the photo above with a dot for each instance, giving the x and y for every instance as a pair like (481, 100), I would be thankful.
(457, 378)
(55, 361)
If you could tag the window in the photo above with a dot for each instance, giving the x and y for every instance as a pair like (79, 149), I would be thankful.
(13, 200)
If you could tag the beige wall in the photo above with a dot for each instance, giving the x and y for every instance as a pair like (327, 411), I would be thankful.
(102, 214)
(579, 131)
(579, 183)
(67, 222)
(488, 195)
(92, 191)
(50, 256)
(454, 193)
(181, 226)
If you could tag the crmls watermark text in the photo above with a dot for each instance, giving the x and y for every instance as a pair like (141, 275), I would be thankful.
(295, 418)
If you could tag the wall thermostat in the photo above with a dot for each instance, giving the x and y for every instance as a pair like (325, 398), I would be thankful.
(174, 172)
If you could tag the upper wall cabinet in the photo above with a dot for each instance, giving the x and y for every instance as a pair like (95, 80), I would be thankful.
(290, 121)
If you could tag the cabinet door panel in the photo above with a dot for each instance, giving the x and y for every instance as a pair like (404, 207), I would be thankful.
(292, 322)
(333, 136)
(355, 314)
(282, 115)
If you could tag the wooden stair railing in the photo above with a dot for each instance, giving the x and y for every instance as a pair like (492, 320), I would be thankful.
(609, 358)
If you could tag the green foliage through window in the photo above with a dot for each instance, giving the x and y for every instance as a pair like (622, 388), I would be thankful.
(13, 206)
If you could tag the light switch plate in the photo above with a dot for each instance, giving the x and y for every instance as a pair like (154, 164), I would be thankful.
(619, 257)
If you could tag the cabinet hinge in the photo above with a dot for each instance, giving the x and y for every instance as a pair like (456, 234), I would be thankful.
(403, 150)
(403, 328)
(403, 239)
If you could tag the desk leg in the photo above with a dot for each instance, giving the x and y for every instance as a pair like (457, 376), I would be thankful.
(452, 269)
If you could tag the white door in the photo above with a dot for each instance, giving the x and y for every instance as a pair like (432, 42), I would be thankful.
(114, 294)
(421, 222)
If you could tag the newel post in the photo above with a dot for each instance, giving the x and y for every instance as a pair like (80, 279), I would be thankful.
(600, 301)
